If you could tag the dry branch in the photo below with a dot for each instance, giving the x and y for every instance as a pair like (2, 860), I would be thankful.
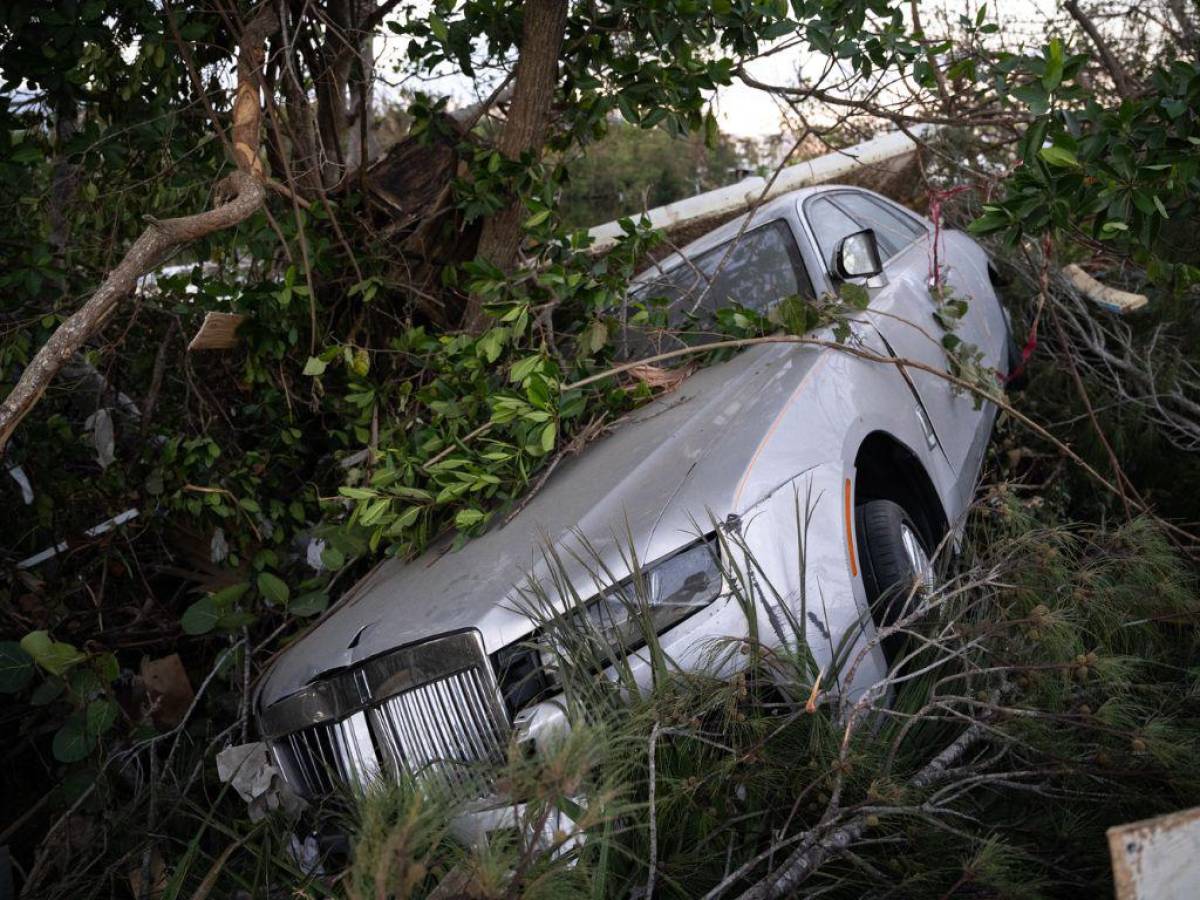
(1116, 71)
(814, 852)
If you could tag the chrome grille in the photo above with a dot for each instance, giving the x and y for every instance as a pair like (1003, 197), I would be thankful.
(441, 729)
(431, 710)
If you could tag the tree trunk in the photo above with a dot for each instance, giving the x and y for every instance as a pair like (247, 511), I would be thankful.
(524, 130)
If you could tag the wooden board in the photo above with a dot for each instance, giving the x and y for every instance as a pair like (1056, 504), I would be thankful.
(1157, 859)
(219, 332)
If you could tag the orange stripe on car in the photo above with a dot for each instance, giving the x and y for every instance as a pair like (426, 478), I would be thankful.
(850, 529)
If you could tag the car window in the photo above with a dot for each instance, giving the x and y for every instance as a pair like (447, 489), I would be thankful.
(763, 267)
(893, 230)
(829, 225)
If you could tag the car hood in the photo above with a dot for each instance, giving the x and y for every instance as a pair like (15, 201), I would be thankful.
(656, 482)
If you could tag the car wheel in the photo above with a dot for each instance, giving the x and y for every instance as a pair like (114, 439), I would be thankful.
(892, 555)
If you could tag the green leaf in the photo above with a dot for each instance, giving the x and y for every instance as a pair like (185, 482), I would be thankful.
(537, 218)
(855, 295)
(332, 558)
(468, 517)
(16, 667)
(548, 435)
(492, 343)
(101, 716)
(201, 617)
(84, 683)
(439, 29)
(273, 588)
(523, 368)
(1054, 65)
(47, 692)
(53, 656)
(1034, 96)
(1059, 156)
(711, 131)
(73, 742)
(595, 336)
(361, 363)
(107, 669)
(311, 604)
(227, 596)
(358, 493)
(406, 519)
(373, 512)
(315, 366)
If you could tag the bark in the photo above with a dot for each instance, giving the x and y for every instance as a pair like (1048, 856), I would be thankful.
(238, 197)
(524, 130)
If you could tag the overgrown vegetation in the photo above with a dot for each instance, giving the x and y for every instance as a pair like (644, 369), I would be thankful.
(412, 330)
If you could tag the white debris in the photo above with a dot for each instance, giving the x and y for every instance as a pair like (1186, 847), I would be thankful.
(100, 424)
(218, 547)
(249, 770)
(312, 554)
(18, 475)
(306, 855)
(50, 552)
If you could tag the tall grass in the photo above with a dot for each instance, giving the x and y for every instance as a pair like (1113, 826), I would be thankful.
(1040, 690)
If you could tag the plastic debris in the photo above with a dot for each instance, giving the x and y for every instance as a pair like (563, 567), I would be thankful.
(249, 770)
(1108, 297)
(106, 525)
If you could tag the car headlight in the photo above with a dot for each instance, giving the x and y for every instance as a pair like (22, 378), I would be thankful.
(670, 590)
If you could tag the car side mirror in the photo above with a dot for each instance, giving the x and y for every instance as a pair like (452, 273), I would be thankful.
(858, 255)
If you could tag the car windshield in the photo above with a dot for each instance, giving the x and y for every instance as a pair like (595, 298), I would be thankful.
(676, 304)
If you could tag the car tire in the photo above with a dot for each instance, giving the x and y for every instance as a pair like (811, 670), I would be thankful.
(891, 552)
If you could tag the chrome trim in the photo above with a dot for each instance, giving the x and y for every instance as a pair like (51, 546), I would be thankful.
(432, 710)
(372, 681)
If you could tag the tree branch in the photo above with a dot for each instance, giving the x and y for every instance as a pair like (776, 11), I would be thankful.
(1119, 76)
(238, 196)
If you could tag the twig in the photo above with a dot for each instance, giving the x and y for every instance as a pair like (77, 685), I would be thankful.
(454, 445)
(653, 867)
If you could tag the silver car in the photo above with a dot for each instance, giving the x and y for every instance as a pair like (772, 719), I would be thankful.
(424, 668)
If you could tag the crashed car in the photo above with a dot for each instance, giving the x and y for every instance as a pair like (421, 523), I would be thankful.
(426, 667)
